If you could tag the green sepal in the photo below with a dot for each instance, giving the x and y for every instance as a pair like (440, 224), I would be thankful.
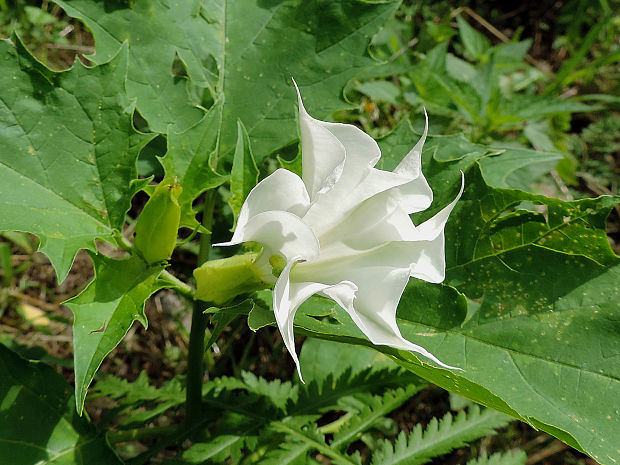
(158, 224)
(220, 281)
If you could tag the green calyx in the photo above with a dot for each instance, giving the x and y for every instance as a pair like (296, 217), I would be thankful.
(220, 281)
(158, 224)
(277, 265)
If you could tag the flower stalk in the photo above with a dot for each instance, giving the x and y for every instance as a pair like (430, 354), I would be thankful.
(196, 348)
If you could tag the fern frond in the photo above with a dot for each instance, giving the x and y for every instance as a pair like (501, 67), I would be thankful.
(139, 400)
(301, 431)
(325, 395)
(287, 453)
(364, 419)
(439, 437)
(517, 457)
(139, 391)
(277, 392)
(247, 404)
(217, 450)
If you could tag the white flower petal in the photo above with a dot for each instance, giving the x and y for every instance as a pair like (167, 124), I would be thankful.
(284, 312)
(406, 184)
(323, 156)
(279, 232)
(374, 308)
(434, 226)
(377, 221)
(287, 297)
(340, 206)
(345, 232)
(415, 196)
(281, 190)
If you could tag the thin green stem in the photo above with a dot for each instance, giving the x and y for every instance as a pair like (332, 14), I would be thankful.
(196, 349)
(123, 242)
(180, 286)
(139, 434)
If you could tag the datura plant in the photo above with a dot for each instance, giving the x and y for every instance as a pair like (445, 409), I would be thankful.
(343, 231)
(481, 286)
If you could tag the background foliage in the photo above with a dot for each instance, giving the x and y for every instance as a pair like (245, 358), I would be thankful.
(523, 100)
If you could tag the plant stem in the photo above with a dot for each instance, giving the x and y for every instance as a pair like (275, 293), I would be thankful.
(196, 349)
(180, 286)
(114, 437)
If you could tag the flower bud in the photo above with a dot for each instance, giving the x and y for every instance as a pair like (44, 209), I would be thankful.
(157, 226)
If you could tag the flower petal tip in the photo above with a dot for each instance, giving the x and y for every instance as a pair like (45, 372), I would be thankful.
(302, 109)
(301, 378)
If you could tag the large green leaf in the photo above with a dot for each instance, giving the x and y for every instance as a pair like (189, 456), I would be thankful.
(517, 168)
(67, 152)
(529, 312)
(508, 167)
(104, 312)
(38, 423)
(158, 32)
(246, 52)
(190, 159)
(320, 359)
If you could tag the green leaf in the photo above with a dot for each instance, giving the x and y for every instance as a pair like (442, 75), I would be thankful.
(104, 312)
(158, 32)
(220, 448)
(397, 144)
(509, 458)
(38, 422)
(224, 317)
(460, 69)
(439, 437)
(537, 133)
(320, 43)
(462, 94)
(507, 167)
(523, 106)
(191, 158)
(139, 400)
(320, 359)
(261, 314)
(380, 90)
(245, 53)
(276, 391)
(476, 44)
(57, 132)
(244, 174)
(288, 453)
(509, 56)
(516, 168)
(370, 413)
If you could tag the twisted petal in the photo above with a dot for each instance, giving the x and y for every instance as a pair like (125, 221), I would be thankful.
(381, 273)
(434, 226)
(287, 297)
(380, 277)
(379, 220)
(323, 155)
(360, 182)
(282, 190)
(279, 232)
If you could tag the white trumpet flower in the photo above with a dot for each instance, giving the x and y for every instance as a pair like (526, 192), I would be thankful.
(343, 231)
